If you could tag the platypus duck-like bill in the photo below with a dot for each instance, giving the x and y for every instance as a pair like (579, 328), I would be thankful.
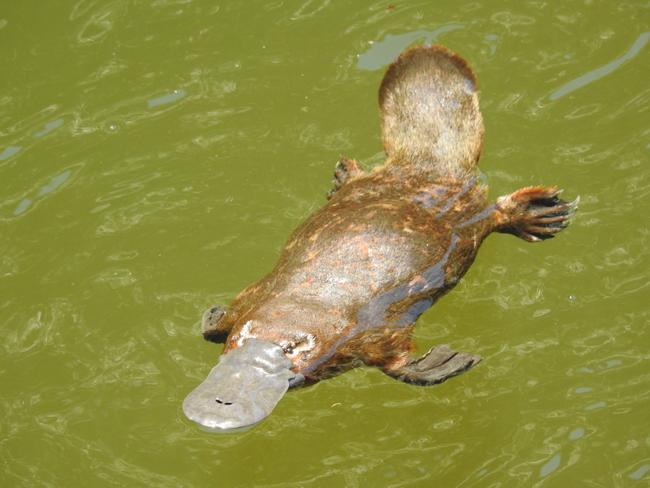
(242, 389)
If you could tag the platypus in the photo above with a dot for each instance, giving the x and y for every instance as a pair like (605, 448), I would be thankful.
(353, 278)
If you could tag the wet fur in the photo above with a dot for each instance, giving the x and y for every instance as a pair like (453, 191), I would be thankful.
(357, 274)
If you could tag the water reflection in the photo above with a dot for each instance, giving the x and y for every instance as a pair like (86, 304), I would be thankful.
(550, 466)
(383, 52)
(602, 71)
(640, 472)
(576, 434)
(9, 151)
(49, 127)
(54, 183)
(168, 98)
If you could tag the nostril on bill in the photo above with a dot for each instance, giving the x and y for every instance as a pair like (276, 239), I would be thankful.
(222, 402)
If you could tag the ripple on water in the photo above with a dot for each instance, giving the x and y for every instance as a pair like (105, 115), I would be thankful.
(39, 327)
(9, 151)
(576, 434)
(166, 99)
(30, 128)
(135, 105)
(309, 9)
(116, 277)
(384, 52)
(126, 188)
(595, 406)
(36, 196)
(8, 265)
(98, 19)
(584, 389)
(509, 19)
(584, 111)
(127, 216)
(640, 472)
(550, 466)
(602, 71)
(109, 68)
(606, 365)
(49, 127)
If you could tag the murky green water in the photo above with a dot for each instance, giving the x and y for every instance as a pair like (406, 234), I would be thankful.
(154, 156)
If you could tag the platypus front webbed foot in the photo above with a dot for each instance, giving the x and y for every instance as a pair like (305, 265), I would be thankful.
(436, 366)
(213, 324)
(534, 213)
(346, 169)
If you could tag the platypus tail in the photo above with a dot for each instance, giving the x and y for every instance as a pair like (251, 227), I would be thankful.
(430, 115)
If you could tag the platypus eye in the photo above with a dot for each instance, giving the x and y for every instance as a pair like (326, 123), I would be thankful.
(301, 343)
(288, 347)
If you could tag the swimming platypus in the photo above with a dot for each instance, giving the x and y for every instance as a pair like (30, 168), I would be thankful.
(353, 279)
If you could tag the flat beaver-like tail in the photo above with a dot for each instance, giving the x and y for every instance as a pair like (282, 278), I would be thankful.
(430, 113)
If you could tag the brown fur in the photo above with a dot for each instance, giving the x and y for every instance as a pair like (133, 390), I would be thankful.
(355, 276)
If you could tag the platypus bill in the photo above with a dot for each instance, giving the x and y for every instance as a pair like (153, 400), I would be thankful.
(355, 276)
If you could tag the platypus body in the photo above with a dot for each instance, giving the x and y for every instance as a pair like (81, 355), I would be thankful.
(353, 279)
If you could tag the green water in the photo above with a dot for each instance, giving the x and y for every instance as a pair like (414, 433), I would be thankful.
(155, 155)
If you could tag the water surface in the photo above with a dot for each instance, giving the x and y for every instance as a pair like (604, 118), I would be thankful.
(154, 156)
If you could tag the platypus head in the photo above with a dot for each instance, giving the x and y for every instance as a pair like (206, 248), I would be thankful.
(243, 388)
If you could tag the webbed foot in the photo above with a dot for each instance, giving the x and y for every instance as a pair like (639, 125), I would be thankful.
(439, 364)
(345, 170)
(213, 327)
(534, 213)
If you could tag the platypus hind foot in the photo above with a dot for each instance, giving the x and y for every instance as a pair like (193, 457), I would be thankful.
(346, 169)
(534, 213)
(436, 366)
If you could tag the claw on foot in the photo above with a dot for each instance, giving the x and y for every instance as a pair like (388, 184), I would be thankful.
(345, 170)
(438, 365)
(535, 213)
(212, 326)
